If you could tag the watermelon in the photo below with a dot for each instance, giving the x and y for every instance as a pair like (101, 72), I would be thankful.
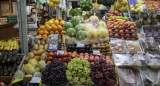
(81, 35)
(71, 32)
(76, 20)
(68, 25)
(78, 27)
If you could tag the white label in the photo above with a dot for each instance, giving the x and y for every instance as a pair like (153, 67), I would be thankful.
(35, 80)
(60, 52)
(80, 45)
(95, 22)
(96, 52)
(129, 79)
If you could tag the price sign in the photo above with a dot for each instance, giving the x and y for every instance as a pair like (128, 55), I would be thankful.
(129, 79)
(96, 52)
(95, 22)
(60, 52)
(80, 45)
(35, 80)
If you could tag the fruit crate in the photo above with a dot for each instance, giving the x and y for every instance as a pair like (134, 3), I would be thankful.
(7, 79)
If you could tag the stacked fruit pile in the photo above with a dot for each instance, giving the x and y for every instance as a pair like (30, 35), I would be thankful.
(11, 44)
(122, 29)
(9, 63)
(51, 27)
(54, 3)
(86, 5)
(133, 5)
(121, 5)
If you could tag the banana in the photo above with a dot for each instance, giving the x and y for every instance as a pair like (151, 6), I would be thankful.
(11, 46)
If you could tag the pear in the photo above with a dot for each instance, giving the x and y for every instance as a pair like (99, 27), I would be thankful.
(119, 0)
(125, 2)
(123, 9)
(118, 5)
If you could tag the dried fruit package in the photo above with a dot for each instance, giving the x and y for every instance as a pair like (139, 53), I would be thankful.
(134, 46)
(118, 46)
(149, 45)
(128, 77)
(149, 77)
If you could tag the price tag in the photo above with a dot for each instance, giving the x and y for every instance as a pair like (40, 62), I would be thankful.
(95, 22)
(129, 79)
(35, 80)
(60, 52)
(80, 45)
(96, 52)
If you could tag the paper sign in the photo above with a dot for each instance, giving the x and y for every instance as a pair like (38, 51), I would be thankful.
(95, 22)
(80, 45)
(96, 52)
(60, 52)
(35, 80)
(129, 79)
(131, 61)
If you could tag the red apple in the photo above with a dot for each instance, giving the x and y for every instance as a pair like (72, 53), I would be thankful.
(121, 31)
(116, 30)
(126, 31)
(122, 38)
(121, 23)
(126, 27)
(109, 26)
(69, 59)
(114, 18)
(110, 30)
(81, 57)
(127, 38)
(133, 34)
(78, 55)
(69, 54)
(132, 27)
(133, 31)
(155, 34)
(116, 27)
(65, 54)
(81, 54)
(87, 58)
(133, 39)
(65, 59)
(60, 59)
(55, 59)
(73, 55)
(127, 34)
(116, 12)
(115, 23)
(116, 34)
(120, 27)
(111, 34)
(91, 58)
(122, 34)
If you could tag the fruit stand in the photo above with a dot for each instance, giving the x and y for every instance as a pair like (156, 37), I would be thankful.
(118, 48)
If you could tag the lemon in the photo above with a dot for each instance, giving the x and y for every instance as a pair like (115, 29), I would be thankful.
(137, 5)
(138, 9)
(132, 9)
(131, 6)
(142, 2)
(141, 10)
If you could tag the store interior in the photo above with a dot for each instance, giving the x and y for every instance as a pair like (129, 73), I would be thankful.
(79, 42)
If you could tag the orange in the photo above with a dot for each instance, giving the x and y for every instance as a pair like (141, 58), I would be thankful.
(40, 36)
(46, 23)
(56, 32)
(49, 36)
(51, 53)
(48, 28)
(51, 32)
(54, 28)
(56, 22)
(52, 20)
(62, 22)
(42, 27)
(40, 32)
(59, 27)
(60, 19)
(46, 32)
(63, 32)
(45, 36)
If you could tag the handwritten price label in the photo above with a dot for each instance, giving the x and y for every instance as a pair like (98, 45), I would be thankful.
(60, 52)
(96, 52)
(80, 45)
(129, 79)
(95, 22)
(35, 80)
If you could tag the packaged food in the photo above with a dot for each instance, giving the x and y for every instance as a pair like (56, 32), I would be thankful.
(134, 46)
(118, 46)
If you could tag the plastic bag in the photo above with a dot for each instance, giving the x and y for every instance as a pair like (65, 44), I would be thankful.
(128, 77)
(118, 46)
(134, 46)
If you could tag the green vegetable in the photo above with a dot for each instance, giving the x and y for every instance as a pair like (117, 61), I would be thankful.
(81, 35)
(71, 32)
(68, 25)
(86, 5)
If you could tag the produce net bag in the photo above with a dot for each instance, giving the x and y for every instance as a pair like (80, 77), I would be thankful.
(149, 77)
(128, 77)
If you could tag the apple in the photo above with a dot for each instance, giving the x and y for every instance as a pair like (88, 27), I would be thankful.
(126, 31)
(121, 31)
(133, 39)
(110, 30)
(50, 58)
(69, 54)
(116, 30)
(109, 26)
(133, 31)
(81, 54)
(81, 57)
(73, 55)
(60, 59)
(126, 27)
(116, 34)
(121, 23)
(91, 58)
(87, 58)
(116, 12)
(96, 58)
(65, 54)
(127, 34)
(65, 59)
(115, 23)
(122, 38)
(126, 24)
(111, 34)
(132, 27)
(69, 59)
(148, 35)
(116, 27)
(86, 54)
(78, 55)
(121, 34)
(120, 27)
(114, 18)
(127, 38)
(155, 34)
(108, 14)
(133, 34)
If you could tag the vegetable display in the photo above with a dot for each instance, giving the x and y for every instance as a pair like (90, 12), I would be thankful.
(103, 73)
(79, 72)
(54, 74)
(86, 5)
(75, 12)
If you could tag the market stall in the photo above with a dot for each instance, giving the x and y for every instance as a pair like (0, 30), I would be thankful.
(98, 43)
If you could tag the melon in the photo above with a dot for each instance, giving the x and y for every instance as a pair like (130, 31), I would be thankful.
(27, 68)
(68, 25)
(78, 27)
(41, 64)
(37, 74)
(71, 32)
(81, 35)
(102, 33)
(33, 62)
(92, 34)
(76, 20)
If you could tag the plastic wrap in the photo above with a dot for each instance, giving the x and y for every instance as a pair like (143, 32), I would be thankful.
(128, 77)
(149, 77)
(118, 46)
(149, 45)
(134, 46)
